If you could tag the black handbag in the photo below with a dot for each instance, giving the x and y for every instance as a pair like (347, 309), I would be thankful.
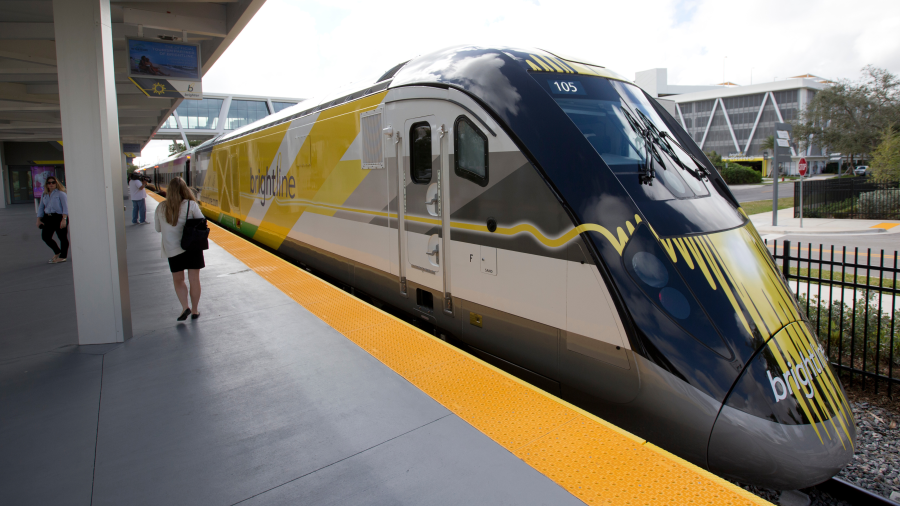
(195, 236)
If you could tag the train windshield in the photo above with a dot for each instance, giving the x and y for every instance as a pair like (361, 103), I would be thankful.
(624, 128)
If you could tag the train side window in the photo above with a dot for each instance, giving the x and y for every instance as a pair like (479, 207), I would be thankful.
(420, 152)
(471, 148)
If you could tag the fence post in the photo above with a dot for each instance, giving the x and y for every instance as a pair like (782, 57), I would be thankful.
(786, 260)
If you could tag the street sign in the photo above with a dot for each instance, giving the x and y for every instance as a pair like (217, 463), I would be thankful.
(783, 140)
(782, 152)
(802, 166)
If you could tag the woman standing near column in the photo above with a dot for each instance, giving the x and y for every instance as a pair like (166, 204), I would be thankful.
(53, 217)
(170, 218)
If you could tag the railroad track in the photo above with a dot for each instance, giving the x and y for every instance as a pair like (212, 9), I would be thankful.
(844, 490)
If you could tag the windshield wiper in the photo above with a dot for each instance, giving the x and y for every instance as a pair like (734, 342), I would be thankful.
(650, 153)
(656, 137)
(701, 173)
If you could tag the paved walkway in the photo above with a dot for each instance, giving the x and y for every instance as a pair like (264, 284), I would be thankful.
(258, 401)
(787, 224)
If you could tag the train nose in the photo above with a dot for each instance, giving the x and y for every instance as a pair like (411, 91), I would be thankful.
(786, 423)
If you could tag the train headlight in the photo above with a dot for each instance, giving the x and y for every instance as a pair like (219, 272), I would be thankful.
(675, 303)
(658, 279)
(650, 269)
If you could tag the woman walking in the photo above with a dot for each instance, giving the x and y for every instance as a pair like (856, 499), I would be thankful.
(53, 218)
(171, 215)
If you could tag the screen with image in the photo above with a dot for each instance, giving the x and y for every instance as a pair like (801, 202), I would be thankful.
(39, 174)
(163, 59)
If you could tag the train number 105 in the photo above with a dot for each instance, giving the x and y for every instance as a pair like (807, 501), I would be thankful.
(567, 88)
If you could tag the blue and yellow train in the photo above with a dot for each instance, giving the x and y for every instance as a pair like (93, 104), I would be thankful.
(557, 220)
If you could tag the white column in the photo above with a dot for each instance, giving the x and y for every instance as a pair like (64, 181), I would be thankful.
(90, 126)
(3, 178)
(223, 114)
(126, 194)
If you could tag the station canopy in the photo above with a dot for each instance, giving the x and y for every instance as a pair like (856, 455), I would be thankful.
(29, 87)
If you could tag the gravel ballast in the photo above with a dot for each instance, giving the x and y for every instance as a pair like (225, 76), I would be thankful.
(876, 462)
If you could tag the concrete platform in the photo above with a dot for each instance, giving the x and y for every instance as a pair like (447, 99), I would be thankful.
(258, 401)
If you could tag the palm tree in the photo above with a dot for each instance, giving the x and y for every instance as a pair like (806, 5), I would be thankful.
(769, 143)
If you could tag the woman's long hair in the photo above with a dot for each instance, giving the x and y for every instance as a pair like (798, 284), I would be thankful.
(59, 186)
(176, 193)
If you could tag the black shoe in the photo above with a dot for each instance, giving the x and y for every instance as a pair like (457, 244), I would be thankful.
(195, 316)
(184, 315)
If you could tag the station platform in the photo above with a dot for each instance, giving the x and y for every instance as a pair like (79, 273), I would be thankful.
(286, 390)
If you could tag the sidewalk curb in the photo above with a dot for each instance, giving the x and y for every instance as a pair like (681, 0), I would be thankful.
(809, 231)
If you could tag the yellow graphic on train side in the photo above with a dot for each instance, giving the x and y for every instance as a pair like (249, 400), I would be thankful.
(255, 168)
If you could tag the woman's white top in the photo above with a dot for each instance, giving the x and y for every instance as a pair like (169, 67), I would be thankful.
(171, 235)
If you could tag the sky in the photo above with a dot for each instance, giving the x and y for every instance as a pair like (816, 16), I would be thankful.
(305, 48)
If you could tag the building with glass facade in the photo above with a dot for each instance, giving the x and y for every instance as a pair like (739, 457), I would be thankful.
(734, 121)
(217, 114)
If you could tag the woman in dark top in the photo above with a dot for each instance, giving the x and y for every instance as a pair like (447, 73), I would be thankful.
(53, 218)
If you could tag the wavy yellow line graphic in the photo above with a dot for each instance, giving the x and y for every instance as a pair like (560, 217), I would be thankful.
(618, 241)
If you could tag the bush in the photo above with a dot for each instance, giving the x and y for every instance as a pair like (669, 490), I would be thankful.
(858, 329)
(881, 202)
(739, 174)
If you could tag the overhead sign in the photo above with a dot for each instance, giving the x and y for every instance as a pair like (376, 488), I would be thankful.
(164, 88)
(163, 69)
(802, 166)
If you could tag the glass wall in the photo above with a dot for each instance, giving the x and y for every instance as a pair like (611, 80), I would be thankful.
(244, 112)
(202, 114)
(197, 114)
(282, 105)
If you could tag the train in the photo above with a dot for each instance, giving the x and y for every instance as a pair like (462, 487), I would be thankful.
(555, 219)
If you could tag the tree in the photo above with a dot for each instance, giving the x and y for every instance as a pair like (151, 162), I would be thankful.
(885, 162)
(716, 160)
(178, 147)
(768, 143)
(848, 117)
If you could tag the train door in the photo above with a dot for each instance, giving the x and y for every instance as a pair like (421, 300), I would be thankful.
(422, 145)
(187, 171)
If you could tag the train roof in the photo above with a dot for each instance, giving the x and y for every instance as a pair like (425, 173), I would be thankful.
(459, 66)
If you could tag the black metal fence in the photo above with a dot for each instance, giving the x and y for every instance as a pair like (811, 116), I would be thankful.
(851, 299)
(851, 197)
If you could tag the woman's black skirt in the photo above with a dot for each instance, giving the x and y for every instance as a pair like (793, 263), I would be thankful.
(187, 260)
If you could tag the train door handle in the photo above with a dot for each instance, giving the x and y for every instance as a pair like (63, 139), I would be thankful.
(433, 200)
(435, 255)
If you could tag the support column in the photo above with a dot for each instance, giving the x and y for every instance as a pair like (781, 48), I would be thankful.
(90, 126)
(3, 178)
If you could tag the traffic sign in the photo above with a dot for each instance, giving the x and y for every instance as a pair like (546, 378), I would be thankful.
(802, 166)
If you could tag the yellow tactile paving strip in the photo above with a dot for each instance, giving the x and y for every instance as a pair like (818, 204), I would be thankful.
(592, 459)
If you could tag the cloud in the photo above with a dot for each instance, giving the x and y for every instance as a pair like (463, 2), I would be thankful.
(305, 48)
